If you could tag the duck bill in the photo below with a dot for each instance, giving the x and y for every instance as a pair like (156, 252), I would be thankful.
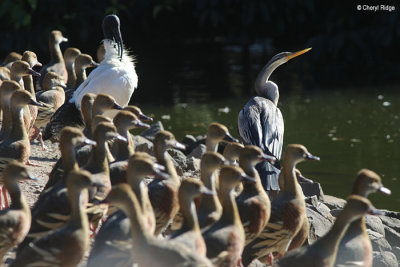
(64, 39)
(376, 212)
(178, 145)
(205, 191)
(267, 158)
(33, 73)
(309, 156)
(384, 190)
(35, 103)
(144, 117)
(158, 167)
(229, 138)
(117, 106)
(302, 179)
(32, 178)
(120, 138)
(140, 124)
(161, 175)
(248, 178)
(88, 141)
(93, 64)
(298, 53)
(38, 64)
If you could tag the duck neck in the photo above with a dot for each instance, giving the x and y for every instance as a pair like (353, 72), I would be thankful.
(208, 202)
(249, 187)
(139, 232)
(140, 189)
(7, 118)
(18, 201)
(162, 157)
(80, 75)
(290, 180)
(55, 52)
(69, 159)
(18, 78)
(98, 160)
(18, 130)
(211, 145)
(124, 149)
(230, 213)
(188, 208)
(71, 83)
(28, 83)
(79, 220)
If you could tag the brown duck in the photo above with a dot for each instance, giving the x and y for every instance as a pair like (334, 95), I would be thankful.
(231, 153)
(217, 133)
(65, 246)
(288, 212)
(70, 55)
(253, 203)
(225, 239)
(6, 91)
(323, 252)
(355, 247)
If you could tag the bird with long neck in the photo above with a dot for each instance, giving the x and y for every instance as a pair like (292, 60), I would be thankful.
(56, 63)
(70, 54)
(146, 249)
(217, 133)
(82, 62)
(189, 234)
(260, 121)
(138, 112)
(288, 211)
(324, 251)
(225, 238)
(65, 246)
(20, 69)
(356, 247)
(210, 209)
(52, 208)
(6, 90)
(114, 236)
(253, 203)
(164, 194)
(15, 221)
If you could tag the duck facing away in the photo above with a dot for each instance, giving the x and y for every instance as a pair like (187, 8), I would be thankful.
(356, 247)
(323, 251)
(288, 212)
(67, 245)
(260, 122)
(15, 221)
(115, 76)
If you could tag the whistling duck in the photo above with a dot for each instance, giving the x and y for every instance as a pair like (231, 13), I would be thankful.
(288, 211)
(82, 62)
(4, 74)
(123, 121)
(138, 112)
(146, 249)
(86, 110)
(56, 63)
(52, 97)
(216, 133)
(115, 76)
(164, 194)
(110, 243)
(189, 234)
(15, 221)
(6, 91)
(253, 203)
(210, 209)
(17, 146)
(70, 55)
(11, 58)
(65, 246)
(225, 239)
(355, 247)
(323, 252)
(260, 122)
(231, 153)
(52, 208)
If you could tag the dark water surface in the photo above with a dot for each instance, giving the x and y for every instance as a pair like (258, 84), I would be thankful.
(348, 129)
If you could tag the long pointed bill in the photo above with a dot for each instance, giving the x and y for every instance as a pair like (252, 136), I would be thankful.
(140, 124)
(118, 107)
(205, 191)
(376, 212)
(309, 156)
(144, 117)
(111, 31)
(229, 138)
(298, 53)
(35, 103)
(33, 73)
(384, 190)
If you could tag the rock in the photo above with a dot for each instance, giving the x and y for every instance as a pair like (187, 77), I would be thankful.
(153, 130)
(188, 140)
(197, 152)
(334, 202)
(142, 144)
(319, 225)
(375, 224)
(392, 236)
(378, 241)
(396, 252)
(312, 189)
(193, 164)
(322, 209)
(391, 222)
(335, 212)
(312, 200)
(384, 259)
(180, 160)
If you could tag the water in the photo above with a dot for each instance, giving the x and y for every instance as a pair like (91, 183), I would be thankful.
(348, 129)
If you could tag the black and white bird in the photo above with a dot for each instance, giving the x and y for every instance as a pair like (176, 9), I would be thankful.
(260, 122)
(115, 76)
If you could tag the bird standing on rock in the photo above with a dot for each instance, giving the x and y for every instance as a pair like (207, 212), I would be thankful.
(260, 122)
(115, 76)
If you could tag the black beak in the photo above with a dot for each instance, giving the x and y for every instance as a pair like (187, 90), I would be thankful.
(118, 107)
(35, 103)
(309, 156)
(33, 73)
(229, 138)
(111, 31)
(140, 124)
(144, 117)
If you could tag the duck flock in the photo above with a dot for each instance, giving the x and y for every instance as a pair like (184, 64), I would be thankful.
(106, 204)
